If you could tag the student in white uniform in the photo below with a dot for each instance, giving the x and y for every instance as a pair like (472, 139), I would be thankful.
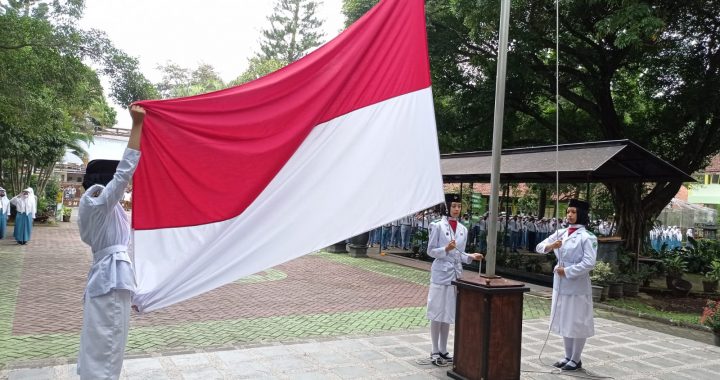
(447, 245)
(26, 207)
(482, 234)
(104, 226)
(572, 307)
(405, 231)
(4, 212)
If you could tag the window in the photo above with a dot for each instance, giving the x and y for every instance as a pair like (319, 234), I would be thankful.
(712, 179)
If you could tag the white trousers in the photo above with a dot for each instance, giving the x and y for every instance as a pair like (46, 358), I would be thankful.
(106, 320)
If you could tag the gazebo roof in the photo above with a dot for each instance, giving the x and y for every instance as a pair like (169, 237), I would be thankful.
(598, 161)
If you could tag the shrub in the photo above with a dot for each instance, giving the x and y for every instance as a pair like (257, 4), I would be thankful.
(602, 273)
(713, 272)
(711, 315)
(674, 266)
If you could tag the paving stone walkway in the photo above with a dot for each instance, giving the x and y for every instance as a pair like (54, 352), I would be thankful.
(618, 351)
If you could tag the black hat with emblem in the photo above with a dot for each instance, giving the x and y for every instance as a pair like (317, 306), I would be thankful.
(449, 199)
(583, 211)
(99, 172)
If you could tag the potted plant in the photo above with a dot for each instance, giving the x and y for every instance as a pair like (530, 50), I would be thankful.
(67, 211)
(712, 277)
(600, 276)
(629, 276)
(645, 274)
(711, 318)
(631, 284)
(675, 267)
(420, 240)
(615, 286)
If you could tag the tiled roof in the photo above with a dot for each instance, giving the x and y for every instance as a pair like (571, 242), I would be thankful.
(714, 166)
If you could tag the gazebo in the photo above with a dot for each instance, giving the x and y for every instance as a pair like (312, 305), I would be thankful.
(598, 161)
(588, 162)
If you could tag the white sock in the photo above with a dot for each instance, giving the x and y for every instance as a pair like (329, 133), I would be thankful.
(435, 335)
(569, 345)
(444, 334)
(578, 346)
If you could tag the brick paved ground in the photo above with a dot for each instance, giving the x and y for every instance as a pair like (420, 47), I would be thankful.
(319, 295)
(339, 317)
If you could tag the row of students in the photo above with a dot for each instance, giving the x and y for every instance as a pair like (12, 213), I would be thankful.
(523, 232)
(670, 237)
(399, 233)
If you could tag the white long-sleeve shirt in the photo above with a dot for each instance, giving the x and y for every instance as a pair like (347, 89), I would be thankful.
(105, 227)
(5, 205)
(447, 266)
(25, 204)
(577, 255)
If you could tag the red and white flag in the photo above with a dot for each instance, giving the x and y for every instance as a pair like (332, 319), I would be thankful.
(237, 181)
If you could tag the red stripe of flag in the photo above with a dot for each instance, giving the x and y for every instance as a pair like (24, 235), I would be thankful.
(206, 158)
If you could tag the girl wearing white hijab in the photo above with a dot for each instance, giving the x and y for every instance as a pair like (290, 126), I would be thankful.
(4, 212)
(26, 204)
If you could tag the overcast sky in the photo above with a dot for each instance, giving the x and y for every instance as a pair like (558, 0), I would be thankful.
(222, 33)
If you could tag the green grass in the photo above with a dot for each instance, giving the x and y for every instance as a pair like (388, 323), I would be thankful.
(641, 307)
(413, 275)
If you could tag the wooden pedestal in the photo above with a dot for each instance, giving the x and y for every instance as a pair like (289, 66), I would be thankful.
(488, 328)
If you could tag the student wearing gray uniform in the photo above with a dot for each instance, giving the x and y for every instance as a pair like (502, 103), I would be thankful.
(104, 226)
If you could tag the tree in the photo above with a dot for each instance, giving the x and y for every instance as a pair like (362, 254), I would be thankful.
(178, 81)
(258, 68)
(629, 69)
(354, 9)
(51, 24)
(646, 71)
(293, 31)
(50, 100)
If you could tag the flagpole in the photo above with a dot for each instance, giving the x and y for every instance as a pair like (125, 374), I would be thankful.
(490, 303)
(497, 137)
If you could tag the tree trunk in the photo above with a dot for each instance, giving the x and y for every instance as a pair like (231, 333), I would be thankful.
(634, 214)
(629, 214)
(44, 177)
(542, 203)
(15, 176)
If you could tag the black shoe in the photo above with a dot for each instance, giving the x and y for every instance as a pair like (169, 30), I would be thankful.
(438, 360)
(561, 363)
(447, 357)
(572, 366)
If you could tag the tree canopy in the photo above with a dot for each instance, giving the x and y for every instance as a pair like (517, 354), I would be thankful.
(294, 30)
(50, 99)
(643, 70)
(179, 81)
